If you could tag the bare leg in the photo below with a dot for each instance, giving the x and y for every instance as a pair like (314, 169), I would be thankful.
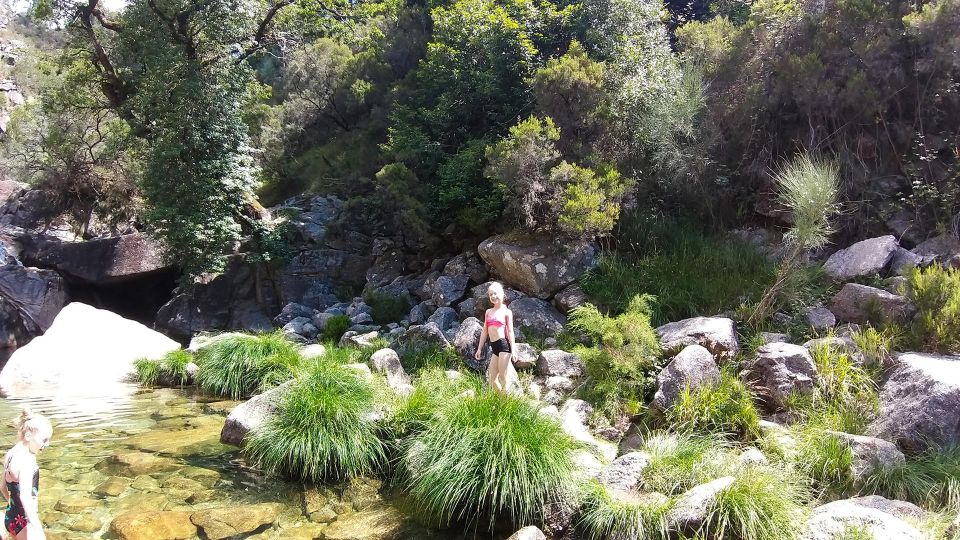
(492, 371)
(503, 372)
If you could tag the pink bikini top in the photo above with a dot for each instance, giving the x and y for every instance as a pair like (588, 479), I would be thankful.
(497, 322)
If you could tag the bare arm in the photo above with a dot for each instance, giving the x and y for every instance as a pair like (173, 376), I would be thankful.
(510, 337)
(483, 336)
(29, 501)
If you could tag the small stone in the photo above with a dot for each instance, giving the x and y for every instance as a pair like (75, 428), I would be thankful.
(111, 487)
(528, 533)
(74, 504)
(691, 509)
(556, 362)
(86, 524)
(820, 318)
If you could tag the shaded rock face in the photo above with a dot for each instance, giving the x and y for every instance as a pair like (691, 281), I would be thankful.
(920, 403)
(831, 520)
(780, 369)
(100, 261)
(537, 266)
(84, 351)
(692, 368)
(30, 300)
(943, 249)
(865, 258)
(535, 317)
(861, 304)
(717, 334)
(466, 340)
(421, 336)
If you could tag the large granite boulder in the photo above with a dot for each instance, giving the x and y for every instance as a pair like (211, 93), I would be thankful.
(943, 249)
(535, 317)
(537, 266)
(865, 258)
(467, 264)
(717, 334)
(421, 336)
(554, 362)
(448, 290)
(693, 368)
(99, 261)
(779, 370)
(86, 351)
(466, 340)
(920, 403)
(569, 298)
(692, 508)
(869, 455)
(830, 521)
(29, 301)
(251, 414)
(861, 304)
(626, 472)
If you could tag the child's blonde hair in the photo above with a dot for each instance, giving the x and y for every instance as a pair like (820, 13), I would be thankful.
(31, 423)
(497, 287)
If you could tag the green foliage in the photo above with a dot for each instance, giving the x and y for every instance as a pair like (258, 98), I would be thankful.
(237, 366)
(680, 461)
(147, 370)
(689, 272)
(931, 479)
(434, 389)
(724, 408)
(589, 204)
(877, 346)
(845, 398)
(322, 428)
(604, 516)
(622, 366)
(935, 291)
(416, 359)
(335, 328)
(386, 308)
(489, 457)
(826, 460)
(761, 504)
(171, 367)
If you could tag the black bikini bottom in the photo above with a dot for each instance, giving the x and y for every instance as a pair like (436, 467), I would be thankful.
(500, 346)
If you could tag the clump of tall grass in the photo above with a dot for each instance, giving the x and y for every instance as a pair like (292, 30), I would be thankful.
(826, 460)
(931, 479)
(416, 359)
(323, 428)
(489, 457)
(335, 328)
(433, 390)
(170, 369)
(761, 504)
(622, 364)
(845, 398)
(603, 516)
(240, 365)
(877, 346)
(680, 461)
(726, 407)
(689, 271)
(935, 291)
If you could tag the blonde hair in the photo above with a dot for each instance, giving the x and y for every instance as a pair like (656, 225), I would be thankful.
(31, 423)
(497, 287)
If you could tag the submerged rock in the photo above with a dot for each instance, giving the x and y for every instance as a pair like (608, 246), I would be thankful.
(381, 523)
(153, 525)
(234, 521)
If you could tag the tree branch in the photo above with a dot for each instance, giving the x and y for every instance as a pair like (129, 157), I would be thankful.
(262, 28)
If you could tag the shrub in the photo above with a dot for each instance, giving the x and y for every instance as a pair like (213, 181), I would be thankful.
(335, 328)
(236, 366)
(147, 371)
(605, 517)
(761, 504)
(935, 291)
(492, 456)
(415, 359)
(689, 272)
(622, 366)
(876, 345)
(724, 408)
(322, 428)
(931, 479)
(845, 398)
(387, 308)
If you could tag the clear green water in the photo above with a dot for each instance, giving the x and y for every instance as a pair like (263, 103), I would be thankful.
(172, 439)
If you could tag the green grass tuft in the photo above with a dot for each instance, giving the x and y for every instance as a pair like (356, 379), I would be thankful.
(490, 457)
(335, 328)
(724, 408)
(417, 359)
(680, 461)
(434, 389)
(935, 291)
(237, 366)
(931, 479)
(604, 517)
(147, 371)
(826, 460)
(762, 504)
(322, 428)
(170, 369)
(387, 308)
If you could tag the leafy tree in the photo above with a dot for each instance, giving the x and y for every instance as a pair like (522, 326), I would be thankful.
(589, 203)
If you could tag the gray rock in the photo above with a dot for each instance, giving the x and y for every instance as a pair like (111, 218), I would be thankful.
(691, 509)
(774, 337)
(467, 308)
(320, 320)
(569, 298)
(535, 317)
(251, 414)
(466, 341)
(869, 455)
(421, 336)
(292, 311)
(865, 258)
(528, 533)
(625, 472)
(448, 290)
(820, 318)
(574, 415)
(100, 261)
(692, 368)
(387, 361)
(920, 403)
(353, 339)
(903, 260)
(556, 362)
(717, 334)
(421, 312)
(831, 520)
(752, 456)
(537, 266)
(837, 344)
(362, 318)
(524, 356)
(314, 350)
(559, 383)
(900, 509)
(781, 369)
(444, 318)
(299, 326)
(943, 249)
(466, 264)
(862, 304)
(30, 300)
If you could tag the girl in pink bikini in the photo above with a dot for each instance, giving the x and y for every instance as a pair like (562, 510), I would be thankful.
(21, 477)
(498, 328)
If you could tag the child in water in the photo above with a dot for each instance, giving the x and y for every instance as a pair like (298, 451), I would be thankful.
(20, 467)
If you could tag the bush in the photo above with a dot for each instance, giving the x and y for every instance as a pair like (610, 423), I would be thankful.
(724, 408)
(935, 291)
(236, 366)
(605, 517)
(492, 456)
(622, 366)
(170, 369)
(931, 479)
(761, 504)
(689, 272)
(433, 389)
(322, 428)
(387, 308)
(416, 359)
(335, 328)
